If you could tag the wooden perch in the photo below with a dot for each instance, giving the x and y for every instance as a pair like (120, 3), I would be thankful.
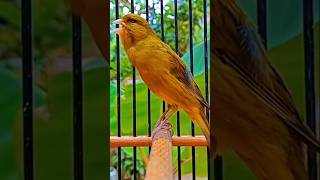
(160, 161)
(129, 141)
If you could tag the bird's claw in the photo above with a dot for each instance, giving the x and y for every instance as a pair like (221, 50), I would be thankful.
(168, 126)
(163, 124)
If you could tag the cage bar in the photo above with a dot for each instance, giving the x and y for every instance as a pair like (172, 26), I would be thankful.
(134, 109)
(163, 39)
(118, 92)
(176, 39)
(77, 98)
(206, 76)
(309, 81)
(27, 85)
(262, 20)
(193, 150)
(149, 93)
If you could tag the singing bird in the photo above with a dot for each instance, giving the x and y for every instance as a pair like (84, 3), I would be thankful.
(163, 71)
(253, 112)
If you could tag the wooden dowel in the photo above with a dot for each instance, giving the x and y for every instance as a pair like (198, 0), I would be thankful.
(129, 141)
(160, 165)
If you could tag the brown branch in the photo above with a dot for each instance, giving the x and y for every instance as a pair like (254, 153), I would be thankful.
(125, 3)
(160, 161)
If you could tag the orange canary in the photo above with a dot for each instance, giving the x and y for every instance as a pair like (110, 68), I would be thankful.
(162, 70)
(253, 112)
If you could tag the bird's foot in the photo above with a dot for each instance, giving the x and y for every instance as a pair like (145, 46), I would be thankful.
(158, 127)
(162, 124)
(168, 126)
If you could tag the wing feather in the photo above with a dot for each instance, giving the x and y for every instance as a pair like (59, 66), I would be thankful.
(238, 38)
(183, 75)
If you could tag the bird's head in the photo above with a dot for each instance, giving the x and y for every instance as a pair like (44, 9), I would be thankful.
(133, 26)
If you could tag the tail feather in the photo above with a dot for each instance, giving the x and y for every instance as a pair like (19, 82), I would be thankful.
(211, 139)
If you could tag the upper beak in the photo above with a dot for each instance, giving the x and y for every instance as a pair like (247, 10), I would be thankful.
(120, 28)
(118, 21)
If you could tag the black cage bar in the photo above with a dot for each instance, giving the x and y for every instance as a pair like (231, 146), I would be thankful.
(77, 98)
(193, 149)
(26, 36)
(176, 42)
(118, 91)
(262, 20)
(313, 167)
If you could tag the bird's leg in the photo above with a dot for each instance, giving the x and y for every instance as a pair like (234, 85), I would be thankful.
(165, 116)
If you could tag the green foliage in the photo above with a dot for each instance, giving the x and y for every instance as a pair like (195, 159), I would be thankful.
(284, 18)
(53, 125)
(9, 36)
(54, 133)
(10, 102)
(127, 166)
(9, 107)
(51, 29)
(199, 58)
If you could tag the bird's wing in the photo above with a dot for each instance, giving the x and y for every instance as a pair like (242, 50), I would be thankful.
(238, 45)
(183, 76)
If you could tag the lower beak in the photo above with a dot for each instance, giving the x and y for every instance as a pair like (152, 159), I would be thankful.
(120, 28)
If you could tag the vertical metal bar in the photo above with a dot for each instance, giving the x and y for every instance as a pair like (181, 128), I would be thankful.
(134, 125)
(77, 98)
(193, 150)
(26, 36)
(147, 10)
(149, 94)
(162, 20)
(162, 38)
(118, 91)
(309, 80)
(205, 42)
(176, 39)
(216, 164)
(218, 160)
(218, 171)
(262, 20)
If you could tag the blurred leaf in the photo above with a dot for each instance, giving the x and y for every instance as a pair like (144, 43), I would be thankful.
(284, 21)
(198, 58)
(10, 102)
(11, 105)
(10, 12)
(54, 136)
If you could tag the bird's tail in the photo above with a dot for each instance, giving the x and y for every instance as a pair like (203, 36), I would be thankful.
(203, 123)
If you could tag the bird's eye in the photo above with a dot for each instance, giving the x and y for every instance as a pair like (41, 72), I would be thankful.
(133, 20)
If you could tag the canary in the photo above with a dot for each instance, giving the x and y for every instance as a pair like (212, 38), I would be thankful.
(163, 71)
(253, 112)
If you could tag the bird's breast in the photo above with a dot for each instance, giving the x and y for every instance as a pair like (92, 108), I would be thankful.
(154, 75)
(153, 64)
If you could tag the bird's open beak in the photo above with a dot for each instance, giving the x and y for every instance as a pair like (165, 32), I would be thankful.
(120, 28)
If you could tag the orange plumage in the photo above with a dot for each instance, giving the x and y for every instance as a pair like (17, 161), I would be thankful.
(162, 70)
